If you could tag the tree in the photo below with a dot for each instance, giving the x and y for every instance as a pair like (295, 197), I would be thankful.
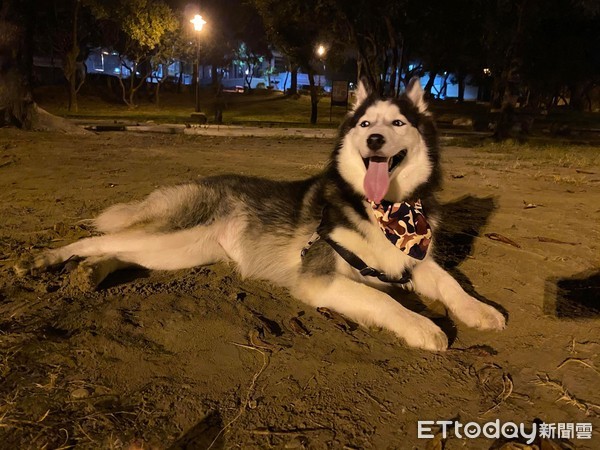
(373, 30)
(561, 53)
(17, 107)
(67, 30)
(218, 44)
(295, 28)
(447, 37)
(16, 47)
(141, 25)
(249, 61)
(251, 39)
(172, 47)
(72, 66)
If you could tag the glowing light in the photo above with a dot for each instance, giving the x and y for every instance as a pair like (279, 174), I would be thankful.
(321, 50)
(198, 22)
(487, 71)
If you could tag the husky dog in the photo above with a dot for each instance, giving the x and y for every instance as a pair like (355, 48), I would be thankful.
(335, 240)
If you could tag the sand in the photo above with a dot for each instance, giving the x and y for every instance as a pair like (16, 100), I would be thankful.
(181, 359)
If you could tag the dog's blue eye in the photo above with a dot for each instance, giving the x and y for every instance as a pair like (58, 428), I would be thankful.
(365, 123)
(397, 123)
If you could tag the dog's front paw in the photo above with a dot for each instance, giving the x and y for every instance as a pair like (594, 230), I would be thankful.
(30, 265)
(420, 332)
(476, 314)
(33, 265)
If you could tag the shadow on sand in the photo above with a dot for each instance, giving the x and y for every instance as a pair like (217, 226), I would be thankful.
(124, 276)
(577, 297)
(204, 434)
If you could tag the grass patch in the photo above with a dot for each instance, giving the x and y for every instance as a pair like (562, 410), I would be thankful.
(561, 155)
(259, 108)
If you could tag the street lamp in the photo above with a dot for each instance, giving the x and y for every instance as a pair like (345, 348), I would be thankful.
(198, 23)
(321, 51)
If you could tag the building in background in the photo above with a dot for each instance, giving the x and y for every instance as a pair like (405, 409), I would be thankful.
(270, 73)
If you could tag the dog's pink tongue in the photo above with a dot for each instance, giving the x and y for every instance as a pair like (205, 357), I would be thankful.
(376, 180)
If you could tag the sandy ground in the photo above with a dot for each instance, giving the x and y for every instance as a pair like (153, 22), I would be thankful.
(172, 359)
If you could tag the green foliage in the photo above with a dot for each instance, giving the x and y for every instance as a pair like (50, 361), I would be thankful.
(143, 27)
(141, 24)
(146, 22)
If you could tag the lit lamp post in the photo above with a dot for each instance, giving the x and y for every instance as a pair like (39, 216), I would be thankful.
(321, 51)
(198, 23)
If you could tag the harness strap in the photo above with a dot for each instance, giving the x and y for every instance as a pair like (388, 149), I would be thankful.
(362, 267)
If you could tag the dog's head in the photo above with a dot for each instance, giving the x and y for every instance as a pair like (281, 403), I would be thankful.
(387, 146)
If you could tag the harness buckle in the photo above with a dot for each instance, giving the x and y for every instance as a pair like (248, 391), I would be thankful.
(369, 272)
(314, 238)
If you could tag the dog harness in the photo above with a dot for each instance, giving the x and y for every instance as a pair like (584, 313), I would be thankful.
(402, 223)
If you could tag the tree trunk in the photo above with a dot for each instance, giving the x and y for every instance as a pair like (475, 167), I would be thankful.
(16, 43)
(510, 83)
(395, 56)
(214, 78)
(461, 87)
(401, 53)
(70, 61)
(430, 82)
(131, 102)
(314, 97)
(287, 74)
(294, 80)
(364, 71)
(444, 90)
(16, 100)
(195, 70)
(180, 77)
(248, 78)
(577, 97)
(219, 104)
(157, 93)
(129, 92)
(393, 75)
(73, 107)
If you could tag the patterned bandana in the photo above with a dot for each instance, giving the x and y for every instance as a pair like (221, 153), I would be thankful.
(404, 225)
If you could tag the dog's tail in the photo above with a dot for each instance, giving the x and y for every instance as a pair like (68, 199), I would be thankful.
(160, 209)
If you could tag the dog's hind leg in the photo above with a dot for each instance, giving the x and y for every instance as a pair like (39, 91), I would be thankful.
(160, 205)
(369, 306)
(165, 251)
(432, 281)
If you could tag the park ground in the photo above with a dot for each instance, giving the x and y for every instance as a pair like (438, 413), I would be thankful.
(187, 358)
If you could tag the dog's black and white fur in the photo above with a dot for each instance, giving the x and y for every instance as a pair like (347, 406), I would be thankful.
(262, 225)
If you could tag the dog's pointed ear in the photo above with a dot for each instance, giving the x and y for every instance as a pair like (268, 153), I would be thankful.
(416, 94)
(362, 92)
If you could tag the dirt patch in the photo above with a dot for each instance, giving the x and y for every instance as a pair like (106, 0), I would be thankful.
(189, 358)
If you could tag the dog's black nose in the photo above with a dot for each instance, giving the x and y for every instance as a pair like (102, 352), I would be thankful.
(375, 141)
